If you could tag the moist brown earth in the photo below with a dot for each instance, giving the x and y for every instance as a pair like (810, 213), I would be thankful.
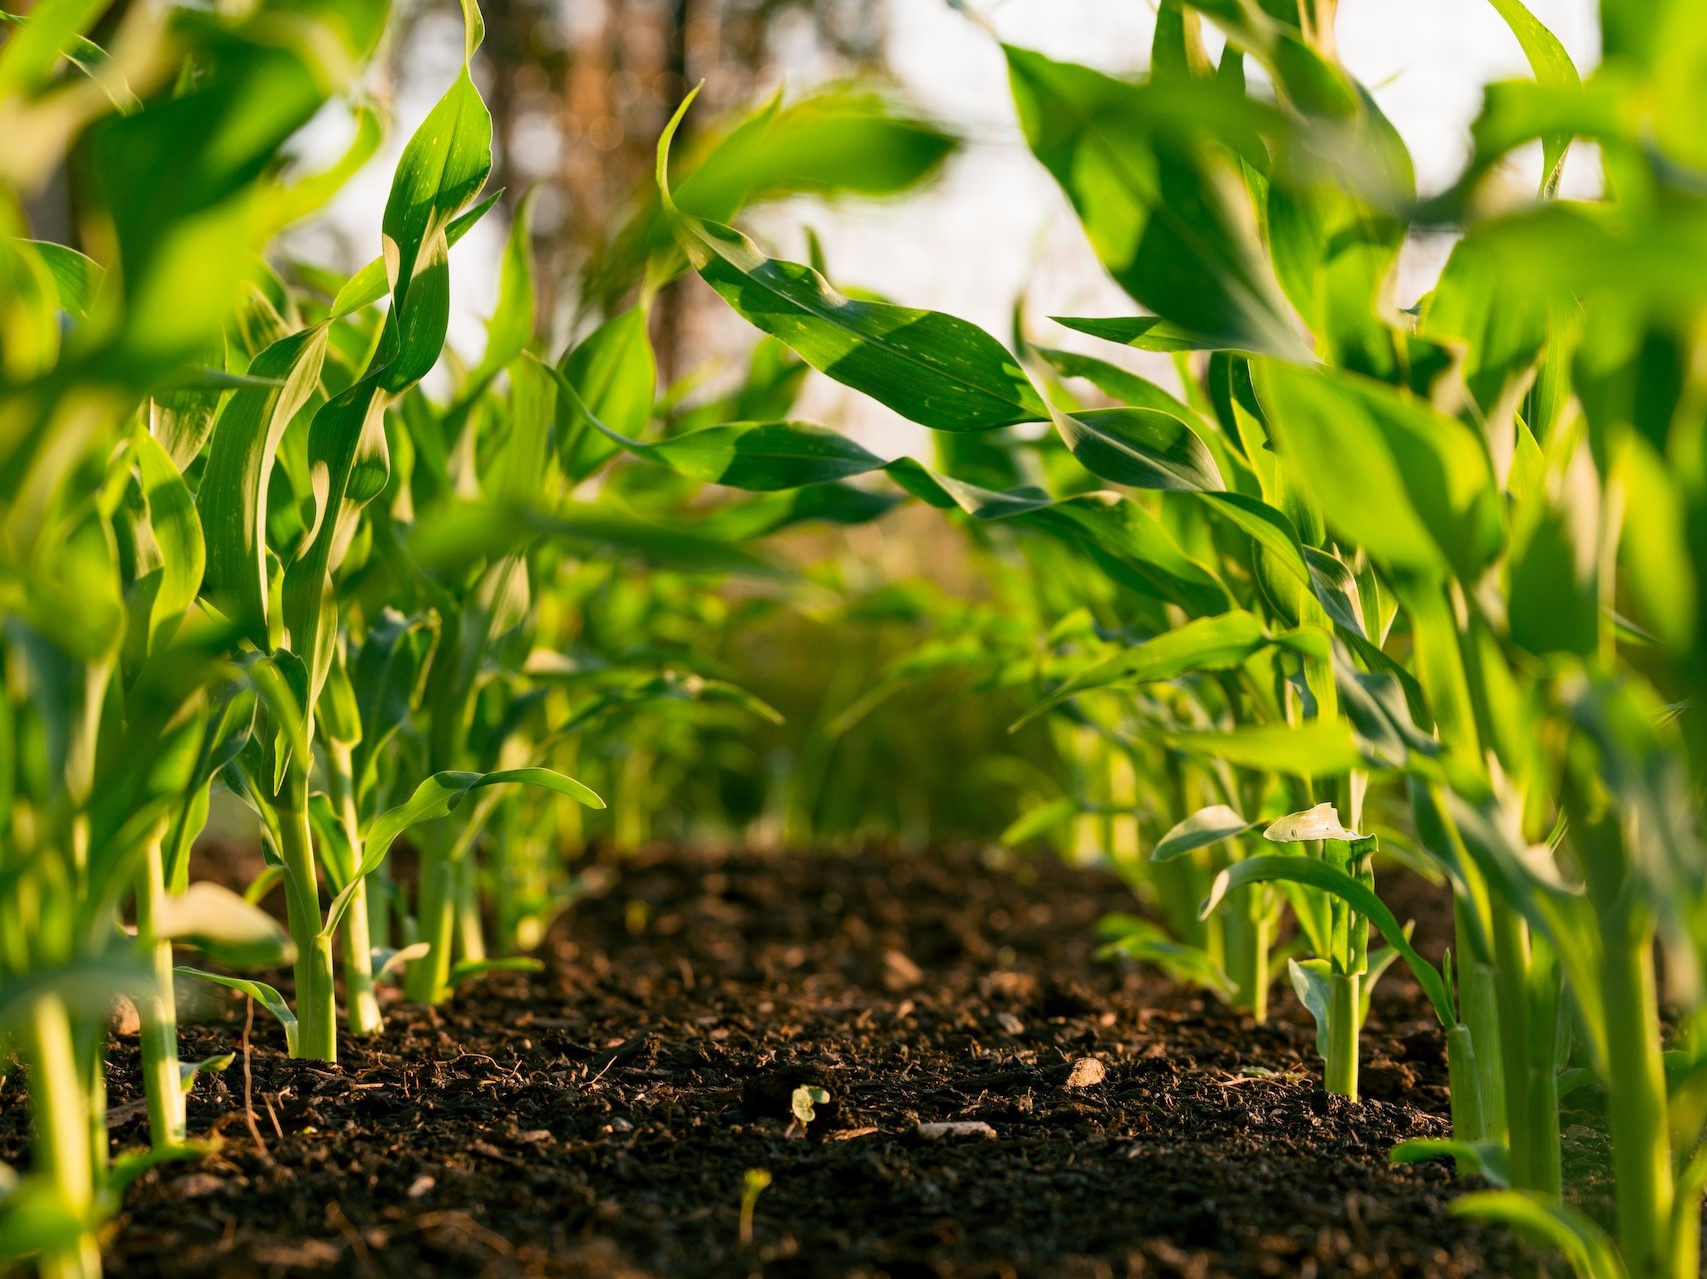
(600, 1118)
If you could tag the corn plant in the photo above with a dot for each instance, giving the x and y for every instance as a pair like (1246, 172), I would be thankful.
(117, 698)
(1432, 509)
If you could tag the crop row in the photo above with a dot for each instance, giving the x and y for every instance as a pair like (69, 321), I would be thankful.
(1367, 581)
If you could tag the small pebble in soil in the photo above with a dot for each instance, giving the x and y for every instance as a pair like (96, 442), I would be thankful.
(1087, 1072)
(963, 1128)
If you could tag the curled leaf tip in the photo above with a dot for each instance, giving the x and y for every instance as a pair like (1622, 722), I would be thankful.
(665, 139)
(1217, 891)
(1320, 822)
(473, 29)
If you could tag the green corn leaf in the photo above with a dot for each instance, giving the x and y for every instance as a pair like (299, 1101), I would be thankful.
(1586, 1246)
(1655, 564)
(178, 181)
(616, 372)
(224, 927)
(1115, 382)
(1132, 937)
(1312, 983)
(130, 1165)
(946, 493)
(1268, 528)
(768, 513)
(50, 31)
(75, 276)
(1125, 540)
(676, 686)
(436, 797)
(511, 326)
(388, 962)
(1176, 51)
(1487, 1159)
(30, 309)
(36, 1219)
(1412, 486)
(1140, 447)
(1151, 172)
(1554, 595)
(761, 456)
(1137, 550)
(841, 139)
(458, 535)
(932, 368)
(188, 1070)
(259, 991)
(1314, 873)
(1553, 70)
(442, 169)
(1315, 748)
(525, 467)
(1320, 822)
(349, 455)
(1030, 825)
(177, 533)
(440, 172)
(1203, 828)
(224, 735)
(1502, 330)
(181, 415)
(465, 970)
(387, 677)
(1143, 332)
(1275, 33)
(233, 493)
(370, 284)
(203, 379)
(1202, 644)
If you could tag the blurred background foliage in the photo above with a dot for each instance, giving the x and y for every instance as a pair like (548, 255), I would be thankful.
(908, 605)
(579, 93)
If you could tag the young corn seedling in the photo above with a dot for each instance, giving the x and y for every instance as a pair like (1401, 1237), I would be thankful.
(299, 646)
(1342, 553)
(112, 694)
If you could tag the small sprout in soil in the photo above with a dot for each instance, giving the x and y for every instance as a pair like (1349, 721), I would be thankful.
(807, 1098)
(752, 1186)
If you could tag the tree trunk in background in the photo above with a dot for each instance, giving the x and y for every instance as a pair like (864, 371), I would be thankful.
(667, 312)
(580, 91)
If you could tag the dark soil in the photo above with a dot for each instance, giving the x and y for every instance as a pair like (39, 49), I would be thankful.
(599, 1119)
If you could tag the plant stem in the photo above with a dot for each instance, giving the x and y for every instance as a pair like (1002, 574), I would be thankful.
(1532, 1127)
(379, 891)
(361, 996)
(1546, 1047)
(58, 1107)
(427, 980)
(470, 935)
(158, 1011)
(362, 1010)
(1469, 1121)
(1478, 1006)
(1339, 1074)
(1246, 945)
(316, 1001)
(1636, 1108)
